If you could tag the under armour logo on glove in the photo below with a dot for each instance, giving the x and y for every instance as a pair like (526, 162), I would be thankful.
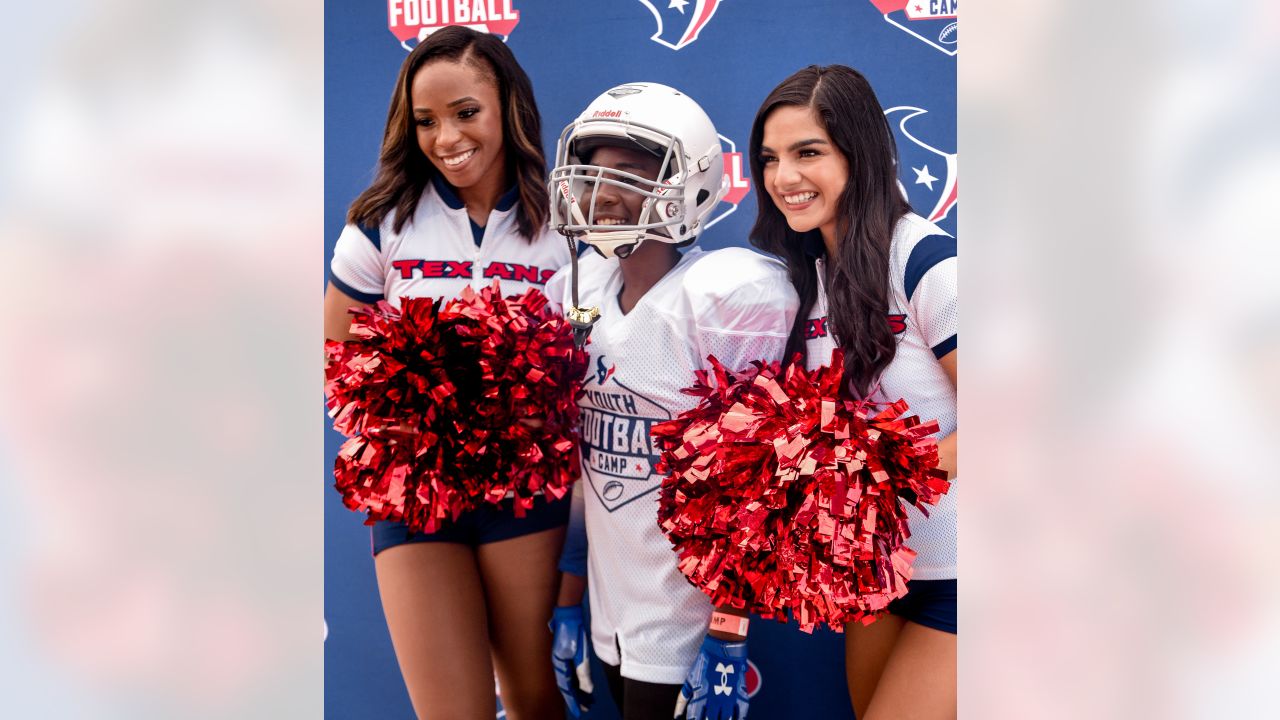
(725, 671)
(716, 688)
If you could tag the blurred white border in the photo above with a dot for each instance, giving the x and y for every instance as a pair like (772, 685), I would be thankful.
(1122, 325)
(160, 209)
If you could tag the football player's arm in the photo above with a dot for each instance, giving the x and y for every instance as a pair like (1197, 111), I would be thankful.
(744, 311)
(570, 643)
(573, 558)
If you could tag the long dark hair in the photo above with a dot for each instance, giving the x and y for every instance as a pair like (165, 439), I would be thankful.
(858, 277)
(403, 171)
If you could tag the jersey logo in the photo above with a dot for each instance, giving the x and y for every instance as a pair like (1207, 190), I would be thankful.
(817, 327)
(601, 373)
(416, 19)
(412, 268)
(932, 22)
(617, 450)
(738, 184)
(680, 21)
(928, 175)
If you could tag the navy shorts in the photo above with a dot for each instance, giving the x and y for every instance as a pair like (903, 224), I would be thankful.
(487, 524)
(931, 603)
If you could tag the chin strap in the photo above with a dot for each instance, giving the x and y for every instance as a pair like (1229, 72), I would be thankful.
(580, 319)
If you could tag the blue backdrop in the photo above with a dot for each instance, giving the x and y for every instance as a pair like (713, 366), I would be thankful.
(727, 55)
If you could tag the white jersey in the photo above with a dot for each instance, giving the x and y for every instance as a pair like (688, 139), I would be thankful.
(924, 314)
(732, 303)
(437, 253)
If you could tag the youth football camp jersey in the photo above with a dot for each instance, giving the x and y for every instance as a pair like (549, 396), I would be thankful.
(732, 303)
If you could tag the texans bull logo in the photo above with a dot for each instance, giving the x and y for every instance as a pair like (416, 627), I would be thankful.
(930, 21)
(416, 19)
(680, 21)
(927, 174)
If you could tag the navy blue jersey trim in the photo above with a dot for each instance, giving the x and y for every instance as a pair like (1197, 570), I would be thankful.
(508, 200)
(447, 193)
(928, 252)
(353, 293)
(813, 245)
(477, 232)
(946, 346)
(374, 233)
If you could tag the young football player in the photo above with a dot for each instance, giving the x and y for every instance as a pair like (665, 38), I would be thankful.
(637, 177)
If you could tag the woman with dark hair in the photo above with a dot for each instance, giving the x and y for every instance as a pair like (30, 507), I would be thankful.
(458, 200)
(878, 281)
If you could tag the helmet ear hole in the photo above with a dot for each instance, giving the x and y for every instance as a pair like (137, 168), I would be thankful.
(702, 197)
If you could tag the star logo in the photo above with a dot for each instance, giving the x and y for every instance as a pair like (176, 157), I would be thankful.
(678, 5)
(923, 177)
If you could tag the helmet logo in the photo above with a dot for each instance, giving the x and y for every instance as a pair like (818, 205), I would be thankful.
(624, 90)
(607, 114)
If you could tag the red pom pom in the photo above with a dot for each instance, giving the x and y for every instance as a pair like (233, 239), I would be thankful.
(452, 405)
(788, 500)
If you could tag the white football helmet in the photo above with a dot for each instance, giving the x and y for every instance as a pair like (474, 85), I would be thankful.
(653, 118)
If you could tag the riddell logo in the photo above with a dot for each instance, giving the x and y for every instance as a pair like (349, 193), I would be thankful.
(607, 113)
(680, 21)
(738, 184)
(930, 21)
(416, 19)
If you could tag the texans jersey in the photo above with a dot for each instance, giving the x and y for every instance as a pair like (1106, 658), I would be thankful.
(733, 303)
(442, 251)
(924, 315)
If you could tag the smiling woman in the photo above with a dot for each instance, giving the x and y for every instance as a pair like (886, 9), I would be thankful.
(458, 200)
(878, 281)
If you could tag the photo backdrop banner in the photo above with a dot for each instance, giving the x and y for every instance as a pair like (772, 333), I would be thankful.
(725, 54)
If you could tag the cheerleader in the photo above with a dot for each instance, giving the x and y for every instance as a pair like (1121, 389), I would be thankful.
(878, 281)
(458, 201)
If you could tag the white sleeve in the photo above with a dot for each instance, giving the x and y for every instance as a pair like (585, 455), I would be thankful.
(557, 288)
(357, 268)
(743, 306)
(932, 292)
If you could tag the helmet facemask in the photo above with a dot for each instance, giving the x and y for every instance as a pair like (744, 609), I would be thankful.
(576, 187)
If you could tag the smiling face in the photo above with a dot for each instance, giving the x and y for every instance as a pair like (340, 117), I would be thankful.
(804, 172)
(615, 205)
(458, 117)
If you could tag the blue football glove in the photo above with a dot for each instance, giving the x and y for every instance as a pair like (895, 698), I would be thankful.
(716, 688)
(570, 656)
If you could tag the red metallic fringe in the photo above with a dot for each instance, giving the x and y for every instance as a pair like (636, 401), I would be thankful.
(785, 498)
(451, 405)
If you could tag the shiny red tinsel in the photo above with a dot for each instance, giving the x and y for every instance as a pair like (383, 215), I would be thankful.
(440, 403)
(788, 500)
